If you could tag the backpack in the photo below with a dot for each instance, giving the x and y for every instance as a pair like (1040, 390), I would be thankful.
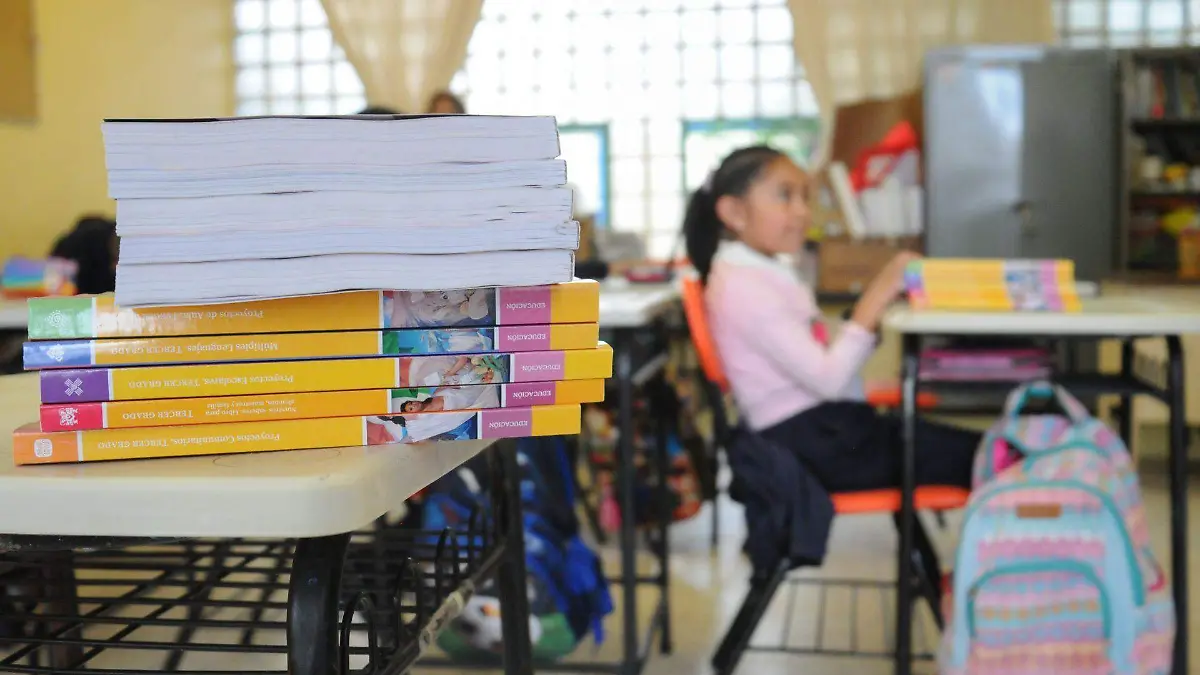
(568, 593)
(1054, 572)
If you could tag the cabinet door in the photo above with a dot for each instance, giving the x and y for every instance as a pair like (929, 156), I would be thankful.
(1069, 166)
(974, 137)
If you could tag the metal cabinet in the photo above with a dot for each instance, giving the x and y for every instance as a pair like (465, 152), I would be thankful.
(1021, 154)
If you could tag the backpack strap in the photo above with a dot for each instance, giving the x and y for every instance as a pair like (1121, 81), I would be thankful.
(1043, 390)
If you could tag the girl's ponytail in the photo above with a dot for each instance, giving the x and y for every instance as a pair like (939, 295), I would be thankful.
(702, 230)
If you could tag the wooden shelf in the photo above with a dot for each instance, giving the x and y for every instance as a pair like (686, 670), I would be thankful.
(1166, 124)
(1164, 194)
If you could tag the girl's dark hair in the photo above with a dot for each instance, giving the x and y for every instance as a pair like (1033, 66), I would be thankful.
(702, 228)
(454, 101)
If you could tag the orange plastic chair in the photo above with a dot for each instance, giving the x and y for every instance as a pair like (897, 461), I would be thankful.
(886, 500)
(736, 640)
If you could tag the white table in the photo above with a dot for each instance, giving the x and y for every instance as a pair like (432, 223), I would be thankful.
(316, 496)
(14, 315)
(624, 304)
(1125, 317)
(629, 311)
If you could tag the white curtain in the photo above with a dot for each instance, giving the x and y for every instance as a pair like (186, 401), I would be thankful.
(861, 50)
(404, 50)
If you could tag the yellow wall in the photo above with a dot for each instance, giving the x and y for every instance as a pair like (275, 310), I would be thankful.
(97, 59)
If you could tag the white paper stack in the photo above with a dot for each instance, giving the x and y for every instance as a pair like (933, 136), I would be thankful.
(222, 210)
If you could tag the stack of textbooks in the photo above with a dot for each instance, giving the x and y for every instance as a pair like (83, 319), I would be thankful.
(288, 368)
(248, 208)
(992, 285)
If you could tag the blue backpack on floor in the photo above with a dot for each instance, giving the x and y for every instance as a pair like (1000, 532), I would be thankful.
(568, 592)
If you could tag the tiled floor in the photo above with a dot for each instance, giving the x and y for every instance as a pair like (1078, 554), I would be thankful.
(708, 586)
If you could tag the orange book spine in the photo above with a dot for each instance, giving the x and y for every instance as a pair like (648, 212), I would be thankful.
(33, 446)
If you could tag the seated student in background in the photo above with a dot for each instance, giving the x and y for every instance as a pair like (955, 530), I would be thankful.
(445, 103)
(792, 380)
(92, 244)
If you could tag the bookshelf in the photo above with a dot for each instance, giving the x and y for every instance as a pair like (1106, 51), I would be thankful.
(1159, 203)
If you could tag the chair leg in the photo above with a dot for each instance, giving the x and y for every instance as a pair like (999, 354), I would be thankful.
(927, 569)
(737, 638)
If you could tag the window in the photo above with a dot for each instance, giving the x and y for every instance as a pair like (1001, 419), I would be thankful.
(287, 62)
(1128, 23)
(585, 148)
(622, 76)
(645, 69)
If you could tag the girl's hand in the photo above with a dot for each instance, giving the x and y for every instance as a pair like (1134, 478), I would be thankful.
(891, 277)
(882, 291)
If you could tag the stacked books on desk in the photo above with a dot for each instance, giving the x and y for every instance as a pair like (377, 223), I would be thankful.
(253, 207)
(998, 285)
(285, 369)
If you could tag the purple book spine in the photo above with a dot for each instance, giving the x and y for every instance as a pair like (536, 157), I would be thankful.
(75, 386)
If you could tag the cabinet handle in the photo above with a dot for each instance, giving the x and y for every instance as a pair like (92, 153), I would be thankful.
(1024, 211)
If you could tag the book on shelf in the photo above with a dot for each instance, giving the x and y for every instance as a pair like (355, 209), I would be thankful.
(257, 279)
(33, 446)
(273, 377)
(48, 354)
(446, 215)
(170, 145)
(83, 317)
(306, 405)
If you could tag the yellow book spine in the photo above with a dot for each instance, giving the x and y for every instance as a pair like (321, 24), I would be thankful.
(278, 377)
(82, 317)
(153, 351)
(33, 446)
(268, 407)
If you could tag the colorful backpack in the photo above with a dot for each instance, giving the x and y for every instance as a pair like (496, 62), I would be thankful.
(568, 593)
(1054, 572)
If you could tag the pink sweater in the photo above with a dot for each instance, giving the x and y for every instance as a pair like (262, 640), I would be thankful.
(769, 335)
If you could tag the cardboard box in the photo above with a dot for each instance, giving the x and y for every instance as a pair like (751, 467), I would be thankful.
(847, 266)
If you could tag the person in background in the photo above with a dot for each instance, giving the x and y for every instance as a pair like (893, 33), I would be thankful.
(93, 245)
(445, 103)
(795, 383)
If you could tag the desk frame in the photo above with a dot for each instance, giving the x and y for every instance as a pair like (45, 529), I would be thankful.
(317, 608)
(1126, 385)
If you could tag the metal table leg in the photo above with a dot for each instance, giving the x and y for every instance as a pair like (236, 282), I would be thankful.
(663, 427)
(909, 366)
(626, 478)
(511, 580)
(312, 614)
(1179, 503)
(1125, 407)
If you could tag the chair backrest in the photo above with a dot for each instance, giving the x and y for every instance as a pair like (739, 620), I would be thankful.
(715, 383)
(697, 319)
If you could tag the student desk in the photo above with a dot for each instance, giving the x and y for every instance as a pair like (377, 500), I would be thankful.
(634, 316)
(303, 505)
(1122, 317)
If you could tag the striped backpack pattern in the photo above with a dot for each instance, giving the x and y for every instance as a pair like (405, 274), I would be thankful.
(1054, 572)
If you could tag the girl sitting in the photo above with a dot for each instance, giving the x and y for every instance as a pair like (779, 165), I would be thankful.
(795, 384)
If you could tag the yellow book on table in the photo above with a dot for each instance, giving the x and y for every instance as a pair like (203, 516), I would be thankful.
(277, 377)
(33, 446)
(96, 316)
(267, 407)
